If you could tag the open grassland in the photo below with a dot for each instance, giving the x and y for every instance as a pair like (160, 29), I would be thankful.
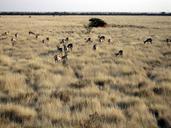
(94, 89)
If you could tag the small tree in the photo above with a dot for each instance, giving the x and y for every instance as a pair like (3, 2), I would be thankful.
(96, 22)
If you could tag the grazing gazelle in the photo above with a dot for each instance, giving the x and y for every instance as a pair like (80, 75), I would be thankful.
(47, 38)
(62, 41)
(59, 48)
(13, 41)
(70, 46)
(5, 33)
(67, 39)
(88, 40)
(31, 33)
(101, 38)
(109, 40)
(65, 48)
(168, 40)
(37, 36)
(94, 46)
(59, 58)
(43, 41)
(148, 40)
(120, 53)
(16, 35)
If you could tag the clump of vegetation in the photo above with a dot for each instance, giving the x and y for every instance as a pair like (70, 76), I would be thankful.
(17, 113)
(96, 22)
(88, 29)
(80, 84)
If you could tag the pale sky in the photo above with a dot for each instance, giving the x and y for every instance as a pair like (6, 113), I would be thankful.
(87, 5)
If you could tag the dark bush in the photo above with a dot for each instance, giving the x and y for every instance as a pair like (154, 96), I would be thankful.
(96, 22)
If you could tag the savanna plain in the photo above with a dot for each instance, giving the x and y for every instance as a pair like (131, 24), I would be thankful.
(94, 88)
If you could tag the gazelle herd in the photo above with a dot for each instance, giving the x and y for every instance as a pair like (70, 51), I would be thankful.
(64, 46)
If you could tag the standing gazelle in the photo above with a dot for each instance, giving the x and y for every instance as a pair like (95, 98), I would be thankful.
(13, 41)
(16, 35)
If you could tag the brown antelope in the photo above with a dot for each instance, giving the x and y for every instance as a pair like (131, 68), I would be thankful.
(57, 58)
(67, 39)
(94, 47)
(62, 41)
(168, 40)
(31, 33)
(70, 46)
(59, 48)
(16, 35)
(88, 40)
(43, 41)
(47, 38)
(101, 38)
(120, 53)
(5, 33)
(37, 36)
(148, 40)
(13, 41)
(65, 48)
(109, 40)
(64, 57)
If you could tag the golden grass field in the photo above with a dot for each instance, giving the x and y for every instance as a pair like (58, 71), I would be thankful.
(95, 89)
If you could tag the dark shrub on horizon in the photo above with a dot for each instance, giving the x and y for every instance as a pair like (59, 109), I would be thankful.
(96, 22)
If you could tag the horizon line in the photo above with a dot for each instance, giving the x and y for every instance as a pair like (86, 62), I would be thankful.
(88, 11)
(54, 13)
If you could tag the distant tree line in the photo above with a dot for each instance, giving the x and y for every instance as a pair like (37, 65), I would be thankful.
(87, 13)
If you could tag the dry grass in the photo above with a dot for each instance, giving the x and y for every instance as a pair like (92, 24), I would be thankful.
(94, 89)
